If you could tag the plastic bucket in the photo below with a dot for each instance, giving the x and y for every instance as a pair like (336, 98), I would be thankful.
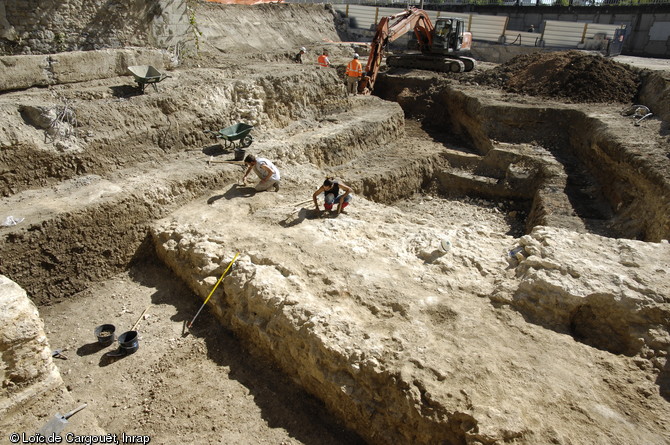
(105, 334)
(128, 342)
(239, 154)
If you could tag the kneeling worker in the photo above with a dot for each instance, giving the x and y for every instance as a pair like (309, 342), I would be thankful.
(331, 190)
(265, 170)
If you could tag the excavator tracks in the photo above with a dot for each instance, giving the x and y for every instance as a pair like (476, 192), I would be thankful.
(444, 64)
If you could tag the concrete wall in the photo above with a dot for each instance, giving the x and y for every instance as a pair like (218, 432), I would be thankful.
(51, 26)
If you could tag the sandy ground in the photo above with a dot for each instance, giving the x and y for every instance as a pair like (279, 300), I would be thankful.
(193, 385)
(198, 386)
(202, 385)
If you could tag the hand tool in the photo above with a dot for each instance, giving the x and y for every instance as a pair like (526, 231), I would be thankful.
(56, 425)
(215, 286)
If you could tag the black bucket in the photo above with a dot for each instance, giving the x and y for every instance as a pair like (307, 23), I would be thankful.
(239, 154)
(128, 342)
(105, 334)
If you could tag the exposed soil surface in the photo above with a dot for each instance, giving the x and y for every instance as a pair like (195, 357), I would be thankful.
(205, 386)
(571, 76)
(181, 386)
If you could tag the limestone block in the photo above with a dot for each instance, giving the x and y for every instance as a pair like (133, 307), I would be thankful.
(83, 66)
(19, 72)
(610, 293)
(26, 366)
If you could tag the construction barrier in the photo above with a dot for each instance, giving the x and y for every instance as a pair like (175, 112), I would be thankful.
(493, 28)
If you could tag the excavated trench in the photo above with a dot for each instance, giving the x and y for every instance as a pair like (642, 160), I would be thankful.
(557, 167)
(563, 165)
(552, 166)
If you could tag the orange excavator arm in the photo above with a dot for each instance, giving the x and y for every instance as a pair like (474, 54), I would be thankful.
(391, 28)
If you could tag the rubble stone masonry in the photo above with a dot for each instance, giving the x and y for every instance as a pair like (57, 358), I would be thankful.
(51, 26)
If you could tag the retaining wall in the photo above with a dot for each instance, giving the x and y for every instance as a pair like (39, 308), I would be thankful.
(21, 72)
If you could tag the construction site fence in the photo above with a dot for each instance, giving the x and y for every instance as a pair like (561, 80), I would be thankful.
(494, 28)
(511, 3)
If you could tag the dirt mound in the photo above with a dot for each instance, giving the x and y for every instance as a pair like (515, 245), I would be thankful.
(572, 76)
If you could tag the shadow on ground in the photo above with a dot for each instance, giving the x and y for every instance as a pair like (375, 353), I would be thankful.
(663, 381)
(282, 403)
(235, 191)
(125, 91)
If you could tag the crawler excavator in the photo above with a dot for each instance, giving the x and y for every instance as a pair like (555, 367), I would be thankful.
(442, 45)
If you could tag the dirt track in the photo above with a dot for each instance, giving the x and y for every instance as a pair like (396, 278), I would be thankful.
(136, 180)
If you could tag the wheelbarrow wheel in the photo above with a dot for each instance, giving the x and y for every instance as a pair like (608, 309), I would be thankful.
(246, 141)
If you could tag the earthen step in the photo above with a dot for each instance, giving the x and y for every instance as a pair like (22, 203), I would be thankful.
(91, 226)
(115, 130)
(394, 170)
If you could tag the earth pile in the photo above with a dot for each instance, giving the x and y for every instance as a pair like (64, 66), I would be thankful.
(571, 76)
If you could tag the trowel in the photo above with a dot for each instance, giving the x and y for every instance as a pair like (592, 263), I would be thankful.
(56, 425)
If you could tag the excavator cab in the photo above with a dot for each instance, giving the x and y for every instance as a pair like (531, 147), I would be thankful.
(443, 28)
(447, 36)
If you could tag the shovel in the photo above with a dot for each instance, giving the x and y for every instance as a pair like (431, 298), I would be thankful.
(56, 425)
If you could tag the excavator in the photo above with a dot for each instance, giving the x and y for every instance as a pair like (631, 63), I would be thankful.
(442, 45)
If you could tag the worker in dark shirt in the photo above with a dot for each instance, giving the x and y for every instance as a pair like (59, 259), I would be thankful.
(334, 192)
(298, 57)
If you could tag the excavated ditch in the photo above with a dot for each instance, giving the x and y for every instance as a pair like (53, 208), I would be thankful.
(569, 164)
(562, 166)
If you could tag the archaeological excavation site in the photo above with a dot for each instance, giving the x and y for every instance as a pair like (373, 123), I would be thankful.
(501, 274)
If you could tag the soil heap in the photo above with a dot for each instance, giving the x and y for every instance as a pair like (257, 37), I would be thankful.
(572, 76)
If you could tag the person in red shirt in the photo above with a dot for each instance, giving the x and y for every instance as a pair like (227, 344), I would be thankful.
(354, 74)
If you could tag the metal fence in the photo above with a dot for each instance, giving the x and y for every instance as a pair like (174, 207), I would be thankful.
(493, 28)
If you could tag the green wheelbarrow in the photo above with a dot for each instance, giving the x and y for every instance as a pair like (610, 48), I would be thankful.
(236, 136)
(147, 75)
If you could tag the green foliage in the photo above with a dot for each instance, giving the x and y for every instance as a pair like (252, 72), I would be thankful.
(192, 20)
(59, 42)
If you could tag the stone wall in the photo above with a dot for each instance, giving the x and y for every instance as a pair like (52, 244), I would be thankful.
(51, 26)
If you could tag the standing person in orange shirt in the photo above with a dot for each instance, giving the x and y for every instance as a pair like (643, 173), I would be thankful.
(323, 59)
(354, 74)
